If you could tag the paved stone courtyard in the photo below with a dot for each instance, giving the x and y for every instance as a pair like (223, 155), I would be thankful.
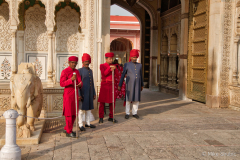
(167, 129)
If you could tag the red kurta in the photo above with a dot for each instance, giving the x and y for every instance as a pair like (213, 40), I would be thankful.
(105, 94)
(69, 105)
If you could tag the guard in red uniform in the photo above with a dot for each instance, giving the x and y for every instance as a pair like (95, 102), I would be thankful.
(69, 106)
(105, 95)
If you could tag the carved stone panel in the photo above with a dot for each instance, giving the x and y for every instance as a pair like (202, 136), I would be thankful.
(235, 96)
(5, 32)
(67, 35)
(40, 61)
(58, 103)
(36, 38)
(44, 103)
(5, 103)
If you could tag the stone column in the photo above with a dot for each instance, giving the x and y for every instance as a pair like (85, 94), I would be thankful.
(10, 150)
(54, 58)
(162, 69)
(178, 73)
(153, 85)
(106, 4)
(169, 82)
(235, 61)
(50, 60)
(20, 35)
(99, 43)
(183, 51)
(214, 55)
(14, 52)
(174, 70)
(165, 64)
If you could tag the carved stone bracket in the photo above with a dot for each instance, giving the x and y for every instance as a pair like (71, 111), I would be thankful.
(184, 15)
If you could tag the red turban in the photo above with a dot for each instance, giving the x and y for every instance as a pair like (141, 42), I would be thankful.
(134, 53)
(86, 57)
(73, 58)
(110, 54)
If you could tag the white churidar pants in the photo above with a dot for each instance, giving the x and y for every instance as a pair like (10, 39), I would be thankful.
(81, 117)
(82, 114)
(134, 108)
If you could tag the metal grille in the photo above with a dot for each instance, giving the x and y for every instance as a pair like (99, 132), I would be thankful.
(197, 61)
(197, 55)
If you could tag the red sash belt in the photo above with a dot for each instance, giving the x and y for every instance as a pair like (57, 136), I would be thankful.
(106, 80)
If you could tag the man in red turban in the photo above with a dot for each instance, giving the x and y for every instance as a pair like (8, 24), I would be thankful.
(134, 83)
(105, 95)
(67, 79)
(86, 57)
(134, 53)
(87, 93)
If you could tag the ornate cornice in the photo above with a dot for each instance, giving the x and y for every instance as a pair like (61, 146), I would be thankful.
(183, 56)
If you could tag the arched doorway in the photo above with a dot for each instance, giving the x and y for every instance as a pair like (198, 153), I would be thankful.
(67, 34)
(121, 48)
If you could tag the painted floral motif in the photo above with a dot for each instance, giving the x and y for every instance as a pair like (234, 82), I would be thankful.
(39, 69)
(65, 65)
(5, 69)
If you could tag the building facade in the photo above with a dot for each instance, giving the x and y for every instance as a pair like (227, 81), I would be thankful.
(188, 47)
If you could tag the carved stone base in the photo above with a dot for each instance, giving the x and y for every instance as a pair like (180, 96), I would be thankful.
(35, 135)
(167, 89)
(153, 88)
(212, 101)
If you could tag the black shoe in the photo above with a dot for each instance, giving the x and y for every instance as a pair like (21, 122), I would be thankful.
(91, 126)
(126, 116)
(110, 119)
(136, 116)
(82, 128)
(101, 120)
(64, 131)
(71, 135)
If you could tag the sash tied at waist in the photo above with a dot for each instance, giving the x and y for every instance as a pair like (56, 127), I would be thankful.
(106, 80)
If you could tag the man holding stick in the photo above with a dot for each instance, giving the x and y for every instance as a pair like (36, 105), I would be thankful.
(134, 83)
(106, 91)
(87, 93)
(67, 80)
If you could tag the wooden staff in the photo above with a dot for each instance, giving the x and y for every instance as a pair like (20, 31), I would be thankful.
(76, 106)
(113, 94)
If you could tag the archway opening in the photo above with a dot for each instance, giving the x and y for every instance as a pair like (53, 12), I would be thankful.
(121, 48)
(125, 31)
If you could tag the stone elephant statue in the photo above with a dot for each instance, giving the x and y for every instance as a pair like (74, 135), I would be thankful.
(26, 98)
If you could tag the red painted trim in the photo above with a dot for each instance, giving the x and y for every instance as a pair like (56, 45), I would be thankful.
(123, 18)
